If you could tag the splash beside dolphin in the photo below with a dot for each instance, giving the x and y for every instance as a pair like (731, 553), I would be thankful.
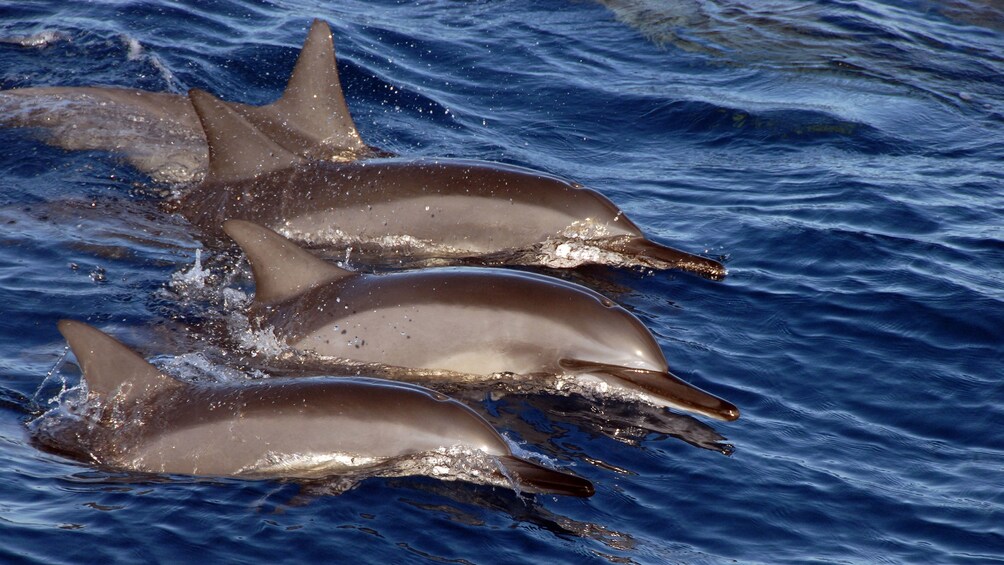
(308, 427)
(470, 321)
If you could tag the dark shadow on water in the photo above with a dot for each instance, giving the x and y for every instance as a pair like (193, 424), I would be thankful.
(15, 401)
(534, 417)
(465, 503)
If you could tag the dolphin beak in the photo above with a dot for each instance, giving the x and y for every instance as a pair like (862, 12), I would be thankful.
(663, 385)
(680, 393)
(674, 258)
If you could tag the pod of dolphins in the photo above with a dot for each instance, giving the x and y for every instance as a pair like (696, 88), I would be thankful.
(297, 171)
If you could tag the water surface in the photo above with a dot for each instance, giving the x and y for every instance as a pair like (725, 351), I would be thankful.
(844, 158)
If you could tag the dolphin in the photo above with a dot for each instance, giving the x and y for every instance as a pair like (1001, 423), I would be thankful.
(159, 132)
(288, 427)
(474, 321)
(452, 207)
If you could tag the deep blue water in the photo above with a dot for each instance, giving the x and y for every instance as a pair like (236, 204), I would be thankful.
(845, 158)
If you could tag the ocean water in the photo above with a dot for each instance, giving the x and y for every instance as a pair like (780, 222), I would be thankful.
(845, 159)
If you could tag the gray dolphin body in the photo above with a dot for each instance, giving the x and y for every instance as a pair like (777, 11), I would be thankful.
(303, 427)
(157, 132)
(447, 209)
(472, 321)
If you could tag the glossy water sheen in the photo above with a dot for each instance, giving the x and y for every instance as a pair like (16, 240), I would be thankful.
(846, 158)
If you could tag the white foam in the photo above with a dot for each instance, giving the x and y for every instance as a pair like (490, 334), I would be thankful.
(194, 278)
(306, 464)
(558, 253)
(595, 387)
(135, 49)
(345, 470)
(331, 236)
(196, 367)
(256, 341)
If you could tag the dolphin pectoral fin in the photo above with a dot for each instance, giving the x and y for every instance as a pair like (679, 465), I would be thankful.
(311, 118)
(663, 385)
(237, 150)
(677, 259)
(539, 479)
(281, 268)
(111, 369)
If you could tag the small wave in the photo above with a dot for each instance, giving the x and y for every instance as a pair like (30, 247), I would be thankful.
(197, 367)
(136, 52)
(256, 341)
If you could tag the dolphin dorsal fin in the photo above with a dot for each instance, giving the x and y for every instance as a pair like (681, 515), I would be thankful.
(237, 150)
(311, 118)
(112, 370)
(281, 268)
